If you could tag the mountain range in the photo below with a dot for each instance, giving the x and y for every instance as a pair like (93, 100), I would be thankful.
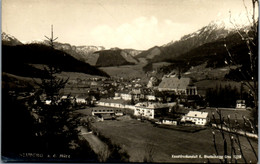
(21, 60)
(10, 40)
(203, 45)
(214, 31)
(210, 44)
(94, 55)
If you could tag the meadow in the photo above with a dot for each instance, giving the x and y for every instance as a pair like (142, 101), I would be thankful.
(143, 140)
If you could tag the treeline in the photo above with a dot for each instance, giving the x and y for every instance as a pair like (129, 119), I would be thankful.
(222, 96)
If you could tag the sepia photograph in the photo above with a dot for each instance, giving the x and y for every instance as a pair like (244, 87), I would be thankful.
(129, 81)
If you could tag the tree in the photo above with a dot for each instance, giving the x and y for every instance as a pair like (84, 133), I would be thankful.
(249, 72)
(249, 69)
(56, 125)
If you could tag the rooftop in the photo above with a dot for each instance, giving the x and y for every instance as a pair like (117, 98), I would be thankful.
(119, 101)
(175, 83)
(151, 105)
(197, 114)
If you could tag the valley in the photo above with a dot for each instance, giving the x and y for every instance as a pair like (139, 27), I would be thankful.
(167, 103)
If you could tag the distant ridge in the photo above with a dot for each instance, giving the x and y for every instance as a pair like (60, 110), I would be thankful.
(17, 60)
(91, 54)
(10, 40)
(215, 30)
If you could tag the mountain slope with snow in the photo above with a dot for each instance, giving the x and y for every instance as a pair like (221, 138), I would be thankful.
(8, 39)
(215, 30)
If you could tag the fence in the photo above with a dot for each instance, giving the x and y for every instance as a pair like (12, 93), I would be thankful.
(241, 132)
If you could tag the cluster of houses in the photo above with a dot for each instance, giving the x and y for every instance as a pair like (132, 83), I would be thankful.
(136, 95)
(142, 99)
(148, 110)
(148, 103)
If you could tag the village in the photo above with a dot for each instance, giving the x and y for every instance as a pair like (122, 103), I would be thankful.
(130, 81)
(141, 117)
(173, 100)
(129, 111)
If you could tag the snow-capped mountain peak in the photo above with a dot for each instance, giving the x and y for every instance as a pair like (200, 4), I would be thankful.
(40, 41)
(9, 39)
(232, 22)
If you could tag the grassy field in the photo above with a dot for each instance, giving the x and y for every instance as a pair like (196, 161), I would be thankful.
(232, 112)
(160, 64)
(138, 138)
(127, 71)
(234, 115)
(201, 72)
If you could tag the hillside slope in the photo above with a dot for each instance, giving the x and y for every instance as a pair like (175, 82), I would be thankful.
(9, 40)
(214, 31)
(215, 55)
(16, 60)
(112, 57)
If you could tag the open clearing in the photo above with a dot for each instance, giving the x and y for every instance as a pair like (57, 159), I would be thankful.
(138, 138)
(232, 112)
(127, 71)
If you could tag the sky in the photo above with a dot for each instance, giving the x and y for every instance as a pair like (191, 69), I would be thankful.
(137, 24)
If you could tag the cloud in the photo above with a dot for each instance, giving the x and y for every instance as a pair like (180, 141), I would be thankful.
(140, 33)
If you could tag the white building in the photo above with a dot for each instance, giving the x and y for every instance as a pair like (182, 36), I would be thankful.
(81, 100)
(169, 122)
(126, 96)
(111, 103)
(48, 102)
(241, 104)
(196, 117)
(150, 97)
(123, 95)
(144, 110)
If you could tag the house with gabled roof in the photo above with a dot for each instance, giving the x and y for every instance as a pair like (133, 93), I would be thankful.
(179, 85)
(137, 94)
(148, 109)
(125, 95)
(81, 99)
(196, 117)
(241, 104)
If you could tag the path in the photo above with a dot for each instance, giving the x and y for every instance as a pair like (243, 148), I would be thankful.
(99, 147)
